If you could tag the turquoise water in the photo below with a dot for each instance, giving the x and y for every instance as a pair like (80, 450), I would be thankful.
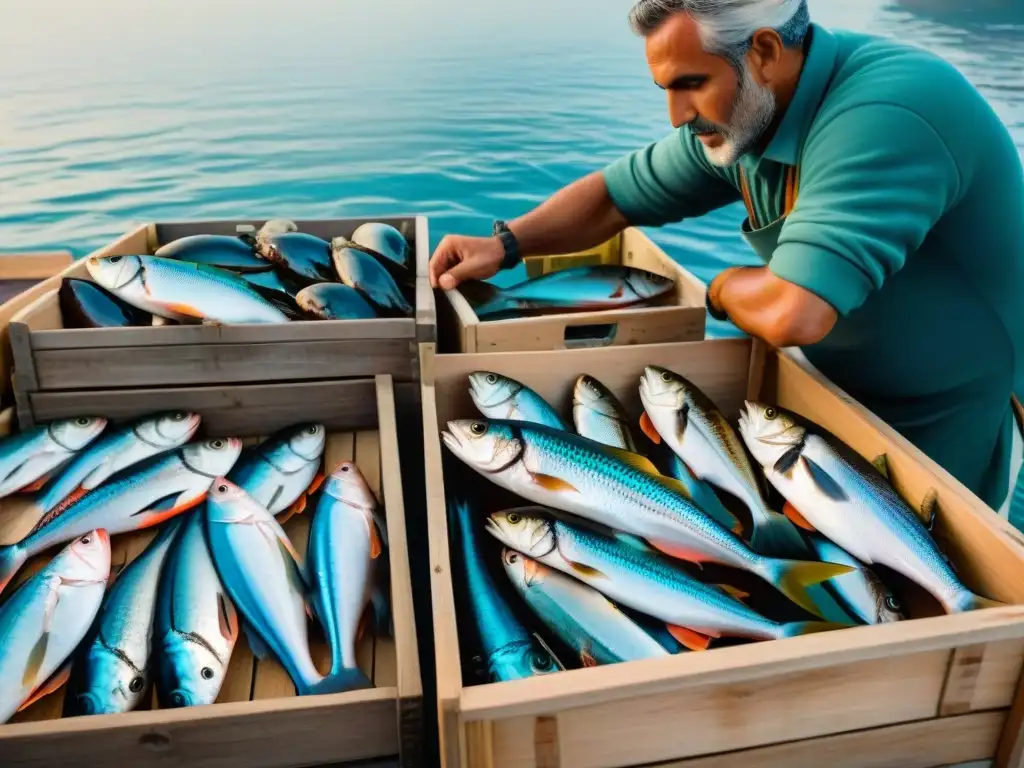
(113, 113)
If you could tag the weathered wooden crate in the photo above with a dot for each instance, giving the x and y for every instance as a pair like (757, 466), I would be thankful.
(50, 358)
(933, 690)
(681, 317)
(258, 720)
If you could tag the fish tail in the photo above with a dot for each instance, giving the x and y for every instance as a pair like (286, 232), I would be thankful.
(11, 560)
(774, 535)
(485, 298)
(793, 577)
(968, 601)
(339, 681)
(801, 628)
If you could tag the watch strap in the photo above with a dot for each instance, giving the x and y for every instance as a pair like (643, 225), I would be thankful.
(509, 242)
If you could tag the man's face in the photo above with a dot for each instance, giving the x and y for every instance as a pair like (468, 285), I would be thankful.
(728, 111)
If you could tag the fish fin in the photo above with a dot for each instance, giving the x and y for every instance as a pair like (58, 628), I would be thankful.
(792, 577)
(788, 460)
(619, 292)
(636, 461)
(318, 480)
(52, 685)
(800, 628)
(68, 500)
(586, 657)
(37, 485)
(183, 309)
(881, 463)
(930, 508)
(973, 602)
(257, 644)
(688, 638)
(647, 427)
(824, 481)
(297, 508)
(167, 507)
(339, 681)
(775, 535)
(554, 484)
(734, 592)
(678, 551)
(35, 659)
(376, 548)
(227, 618)
(794, 514)
(586, 571)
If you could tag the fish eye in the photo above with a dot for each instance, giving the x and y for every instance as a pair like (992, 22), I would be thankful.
(137, 684)
(513, 558)
(478, 428)
(207, 673)
(222, 488)
(491, 378)
(115, 259)
(216, 444)
(514, 518)
(313, 430)
(87, 539)
(177, 700)
(179, 416)
(770, 413)
(82, 421)
(666, 376)
(892, 603)
(541, 661)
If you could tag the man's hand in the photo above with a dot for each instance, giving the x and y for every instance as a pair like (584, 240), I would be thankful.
(459, 258)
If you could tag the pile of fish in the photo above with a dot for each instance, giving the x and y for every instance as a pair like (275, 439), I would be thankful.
(576, 289)
(220, 561)
(613, 559)
(275, 276)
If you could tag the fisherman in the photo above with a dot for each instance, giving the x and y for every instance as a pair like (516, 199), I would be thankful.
(883, 193)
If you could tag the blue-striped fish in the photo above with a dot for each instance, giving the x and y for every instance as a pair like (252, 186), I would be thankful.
(500, 397)
(29, 458)
(860, 592)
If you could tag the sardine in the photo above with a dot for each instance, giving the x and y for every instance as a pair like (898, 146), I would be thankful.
(263, 575)
(45, 619)
(861, 592)
(633, 575)
(599, 415)
(691, 425)
(365, 274)
(579, 615)
(344, 542)
(224, 251)
(165, 487)
(111, 672)
(499, 397)
(282, 471)
(841, 495)
(196, 624)
(620, 490)
(84, 304)
(576, 289)
(334, 301)
(306, 256)
(29, 459)
(178, 290)
(387, 245)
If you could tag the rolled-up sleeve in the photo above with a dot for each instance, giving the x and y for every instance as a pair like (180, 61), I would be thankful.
(874, 182)
(665, 182)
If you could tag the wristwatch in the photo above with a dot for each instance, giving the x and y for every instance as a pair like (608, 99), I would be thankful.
(511, 245)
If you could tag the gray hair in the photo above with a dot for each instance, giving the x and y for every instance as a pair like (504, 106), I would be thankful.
(727, 26)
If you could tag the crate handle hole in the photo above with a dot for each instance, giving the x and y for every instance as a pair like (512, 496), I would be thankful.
(585, 336)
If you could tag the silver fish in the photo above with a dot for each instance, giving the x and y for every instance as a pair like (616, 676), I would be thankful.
(860, 591)
(46, 618)
(599, 415)
(344, 543)
(841, 495)
(196, 624)
(500, 397)
(28, 458)
(582, 617)
(701, 436)
(111, 674)
(363, 272)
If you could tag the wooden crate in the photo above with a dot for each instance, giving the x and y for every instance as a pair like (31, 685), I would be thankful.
(681, 317)
(49, 358)
(925, 692)
(258, 720)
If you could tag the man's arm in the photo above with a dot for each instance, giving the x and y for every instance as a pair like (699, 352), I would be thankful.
(880, 178)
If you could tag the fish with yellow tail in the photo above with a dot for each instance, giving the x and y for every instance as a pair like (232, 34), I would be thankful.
(622, 491)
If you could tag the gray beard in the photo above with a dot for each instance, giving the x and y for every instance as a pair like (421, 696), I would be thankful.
(753, 111)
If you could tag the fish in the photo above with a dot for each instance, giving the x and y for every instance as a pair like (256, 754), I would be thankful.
(166, 486)
(45, 619)
(196, 624)
(344, 543)
(861, 592)
(841, 495)
(84, 304)
(599, 415)
(365, 274)
(334, 301)
(509, 650)
(29, 459)
(234, 253)
(274, 283)
(638, 577)
(178, 290)
(501, 397)
(111, 672)
(622, 491)
(284, 470)
(576, 289)
(305, 256)
(113, 452)
(387, 245)
(580, 616)
(691, 425)
(266, 581)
